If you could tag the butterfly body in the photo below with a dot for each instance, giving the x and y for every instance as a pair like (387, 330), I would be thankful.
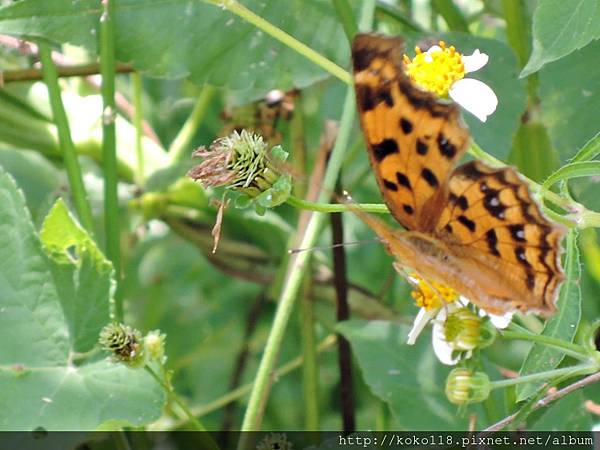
(473, 227)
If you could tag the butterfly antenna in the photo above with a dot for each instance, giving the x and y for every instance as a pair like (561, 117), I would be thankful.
(327, 247)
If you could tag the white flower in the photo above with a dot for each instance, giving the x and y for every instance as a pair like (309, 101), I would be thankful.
(474, 95)
(442, 71)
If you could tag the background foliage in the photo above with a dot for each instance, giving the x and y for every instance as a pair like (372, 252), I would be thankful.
(191, 60)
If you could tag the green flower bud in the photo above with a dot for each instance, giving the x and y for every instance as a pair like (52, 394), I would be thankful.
(154, 343)
(124, 343)
(464, 386)
(464, 330)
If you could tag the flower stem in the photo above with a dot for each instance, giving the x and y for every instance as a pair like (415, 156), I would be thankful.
(336, 207)
(298, 264)
(69, 153)
(179, 148)
(547, 375)
(567, 348)
(310, 370)
(109, 147)
(136, 81)
(277, 33)
(173, 397)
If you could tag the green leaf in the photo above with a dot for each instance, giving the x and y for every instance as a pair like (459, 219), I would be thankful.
(568, 413)
(408, 378)
(573, 170)
(562, 326)
(590, 150)
(84, 277)
(276, 194)
(207, 43)
(39, 178)
(560, 28)
(42, 377)
(569, 90)
(532, 152)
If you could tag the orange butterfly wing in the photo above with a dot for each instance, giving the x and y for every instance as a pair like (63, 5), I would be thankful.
(491, 214)
(414, 140)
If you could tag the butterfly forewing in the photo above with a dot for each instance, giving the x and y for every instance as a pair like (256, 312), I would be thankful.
(414, 140)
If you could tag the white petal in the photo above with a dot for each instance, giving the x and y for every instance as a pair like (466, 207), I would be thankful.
(441, 348)
(434, 48)
(501, 322)
(422, 319)
(475, 61)
(475, 96)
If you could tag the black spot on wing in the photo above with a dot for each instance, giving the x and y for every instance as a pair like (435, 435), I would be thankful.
(530, 280)
(492, 241)
(517, 232)
(403, 180)
(422, 147)
(385, 148)
(408, 209)
(521, 257)
(447, 149)
(430, 177)
(468, 223)
(462, 202)
(361, 58)
(383, 94)
(406, 125)
(366, 97)
(390, 185)
(492, 203)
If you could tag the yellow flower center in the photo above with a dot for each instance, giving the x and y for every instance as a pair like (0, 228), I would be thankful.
(435, 70)
(430, 294)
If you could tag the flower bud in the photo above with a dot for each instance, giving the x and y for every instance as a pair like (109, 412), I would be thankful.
(464, 330)
(154, 343)
(125, 344)
(464, 386)
(243, 162)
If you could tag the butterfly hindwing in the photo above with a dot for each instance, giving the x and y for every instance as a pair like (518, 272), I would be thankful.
(491, 212)
(414, 139)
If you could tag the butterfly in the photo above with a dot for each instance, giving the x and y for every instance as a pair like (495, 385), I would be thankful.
(473, 228)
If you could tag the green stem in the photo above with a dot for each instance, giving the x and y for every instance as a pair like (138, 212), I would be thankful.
(310, 371)
(518, 33)
(393, 12)
(242, 391)
(298, 264)
(567, 348)
(452, 15)
(136, 81)
(336, 207)
(277, 33)
(173, 397)
(69, 154)
(547, 375)
(179, 148)
(109, 147)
